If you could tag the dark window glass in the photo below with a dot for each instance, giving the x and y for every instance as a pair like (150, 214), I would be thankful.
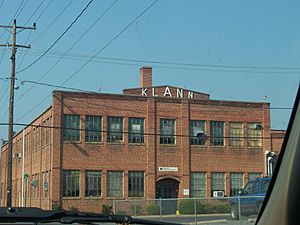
(93, 184)
(71, 128)
(236, 183)
(71, 183)
(197, 132)
(93, 128)
(216, 133)
(136, 184)
(198, 184)
(115, 184)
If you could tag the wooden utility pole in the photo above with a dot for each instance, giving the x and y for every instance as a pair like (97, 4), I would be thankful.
(14, 47)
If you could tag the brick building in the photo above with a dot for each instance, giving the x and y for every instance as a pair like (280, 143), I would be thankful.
(149, 142)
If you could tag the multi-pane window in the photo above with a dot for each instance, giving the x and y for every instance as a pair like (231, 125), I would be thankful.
(93, 128)
(115, 183)
(253, 176)
(71, 183)
(93, 183)
(46, 183)
(235, 134)
(136, 130)
(167, 131)
(254, 132)
(216, 133)
(218, 182)
(115, 129)
(35, 185)
(46, 136)
(71, 128)
(197, 132)
(198, 184)
(36, 139)
(236, 183)
(136, 184)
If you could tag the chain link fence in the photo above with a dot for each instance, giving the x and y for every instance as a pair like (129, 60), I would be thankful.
(220, 210)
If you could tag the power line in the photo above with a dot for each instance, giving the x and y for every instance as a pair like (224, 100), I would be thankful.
(145, 134)
(42, 13)
(51, 24)
(35, 11)
(85, 64)
(57, 86)
(57, 40)
(168, 64)
(73, 45)
(1, 4)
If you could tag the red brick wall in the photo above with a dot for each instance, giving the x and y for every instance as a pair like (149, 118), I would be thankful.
(146, 157)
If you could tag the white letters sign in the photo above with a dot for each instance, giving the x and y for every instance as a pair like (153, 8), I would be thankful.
(168, 93)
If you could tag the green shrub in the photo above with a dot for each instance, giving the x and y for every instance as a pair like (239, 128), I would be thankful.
(187, 206)
(153, 210)
(106, 209)
(56, 207)
(136, 208)
(73, 209)
(218, 208)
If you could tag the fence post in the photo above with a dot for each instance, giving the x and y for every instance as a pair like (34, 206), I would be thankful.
(134, 205)
(115, 206)
(160, 209)
(195, 210)
(240, 213)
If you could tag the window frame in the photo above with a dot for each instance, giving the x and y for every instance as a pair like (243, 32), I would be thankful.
(254, 135)
(111, 190)
(200, 125)
(89, 175)
(70, 133)
(213, 183)
(236, 134)
(236, 183)
(217, 130)
(93, 129)
(198, 184)
(136, 137)
(75, 184)
(167, 139)
(136, 182)
(115, 135)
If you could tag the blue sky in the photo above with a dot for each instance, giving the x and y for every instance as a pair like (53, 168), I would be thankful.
(220, 33)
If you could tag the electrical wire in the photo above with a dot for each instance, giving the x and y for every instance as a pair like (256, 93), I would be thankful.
(57, 40)
(35, 11)
(51, 24)
(1, 4)
(73, 45)
(168, 64)
(42, 13)
(145, 134)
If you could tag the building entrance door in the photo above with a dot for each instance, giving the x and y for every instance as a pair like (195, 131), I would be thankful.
(167, 191)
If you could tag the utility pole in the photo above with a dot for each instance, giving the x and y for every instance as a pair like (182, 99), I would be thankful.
(14, 47)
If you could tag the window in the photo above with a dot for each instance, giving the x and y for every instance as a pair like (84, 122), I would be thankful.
(254, 131)
(36, 139)
(197, 132)
(216, 133)
(71, 128)
(236, 134)
(93, 183)
(236, 183)
(218, 182)
(46, 132)
(136, 130)
(35, 185)
(136, 184)
(253, 176)
(167, 131)
(93, 128)
(71, 183)
(251, 188)
(198, 184)
(46, 183)
(115, 129)
(115, 184)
